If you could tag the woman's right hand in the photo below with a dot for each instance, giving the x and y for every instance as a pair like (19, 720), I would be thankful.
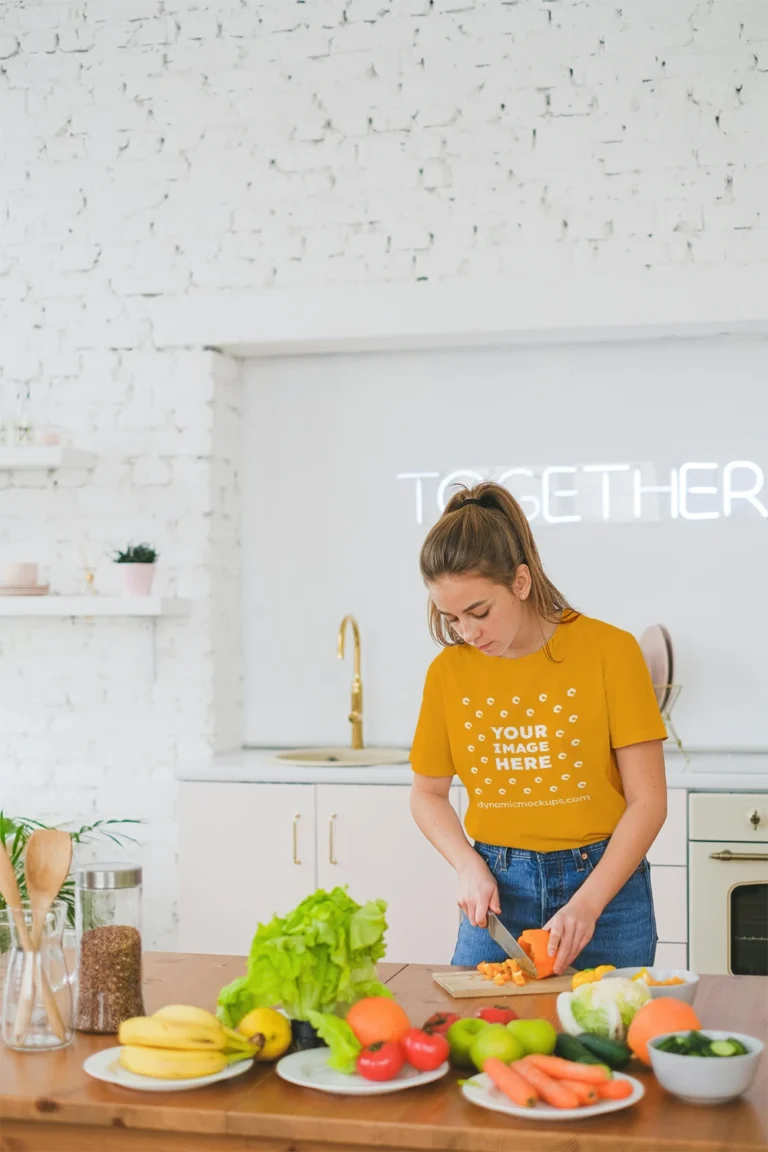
(478, 892)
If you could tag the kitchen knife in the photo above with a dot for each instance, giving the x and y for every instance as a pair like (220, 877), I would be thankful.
(510, 945)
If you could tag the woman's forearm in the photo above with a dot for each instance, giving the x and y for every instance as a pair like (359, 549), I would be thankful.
(439, 821)
(635, 832)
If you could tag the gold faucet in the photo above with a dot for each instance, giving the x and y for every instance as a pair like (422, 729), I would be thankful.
(356, 707)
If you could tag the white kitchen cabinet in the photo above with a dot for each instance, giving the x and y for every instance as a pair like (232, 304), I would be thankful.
(671, 956)
(670, 899)
(367, 839)
(671, 845)
(246, 852)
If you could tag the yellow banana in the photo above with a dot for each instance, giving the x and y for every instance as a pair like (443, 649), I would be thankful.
(186, 1014)
(149, 1032)
(166, 1064)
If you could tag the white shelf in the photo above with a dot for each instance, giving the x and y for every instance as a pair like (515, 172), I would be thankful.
(91, 606)
(45, 458)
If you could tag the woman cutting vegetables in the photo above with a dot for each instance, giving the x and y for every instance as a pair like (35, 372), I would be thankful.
(549, 719)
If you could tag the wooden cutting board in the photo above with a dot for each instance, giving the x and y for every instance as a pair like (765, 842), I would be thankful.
(463, 985)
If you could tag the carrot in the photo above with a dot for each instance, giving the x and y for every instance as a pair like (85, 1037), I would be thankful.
(514, 1087)
(614, 1090)
(561, 1069)
(551, 1091)
(585, 1093)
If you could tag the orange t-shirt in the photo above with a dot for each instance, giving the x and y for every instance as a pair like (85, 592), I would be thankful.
(532, 739)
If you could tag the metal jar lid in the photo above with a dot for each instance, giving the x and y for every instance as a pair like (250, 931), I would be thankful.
(103, 877)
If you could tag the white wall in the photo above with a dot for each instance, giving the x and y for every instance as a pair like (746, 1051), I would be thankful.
(328, 529)
(153, 148)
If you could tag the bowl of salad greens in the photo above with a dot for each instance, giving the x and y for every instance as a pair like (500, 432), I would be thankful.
(707, 1067)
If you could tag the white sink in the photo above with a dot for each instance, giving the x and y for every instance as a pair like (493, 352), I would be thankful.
(343, 757)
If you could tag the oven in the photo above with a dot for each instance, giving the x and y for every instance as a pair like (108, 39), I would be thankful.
(728, 883)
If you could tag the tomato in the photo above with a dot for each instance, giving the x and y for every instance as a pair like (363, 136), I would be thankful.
(439, 1022)
(425, 1050)
(377, 1018)
(381, 1061)
(496, 1014)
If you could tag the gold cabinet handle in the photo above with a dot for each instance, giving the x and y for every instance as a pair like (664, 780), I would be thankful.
(332, 859)
(296, 818)
(726, 854)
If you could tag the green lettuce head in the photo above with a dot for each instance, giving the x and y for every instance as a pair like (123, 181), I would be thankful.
(605, 1008)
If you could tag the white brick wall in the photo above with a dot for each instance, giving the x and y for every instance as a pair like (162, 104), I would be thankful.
(151, 147)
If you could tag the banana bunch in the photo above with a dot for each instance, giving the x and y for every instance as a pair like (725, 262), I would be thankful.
(181, 1042)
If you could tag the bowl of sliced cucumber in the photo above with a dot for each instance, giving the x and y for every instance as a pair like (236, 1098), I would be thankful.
(707, 1067)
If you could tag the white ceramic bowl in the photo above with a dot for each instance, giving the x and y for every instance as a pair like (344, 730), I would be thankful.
(706, 1079)
(686, 991)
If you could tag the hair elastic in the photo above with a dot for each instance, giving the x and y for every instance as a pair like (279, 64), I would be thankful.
(473, 500)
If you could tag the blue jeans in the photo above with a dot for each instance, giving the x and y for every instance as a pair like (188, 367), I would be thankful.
(534, 885)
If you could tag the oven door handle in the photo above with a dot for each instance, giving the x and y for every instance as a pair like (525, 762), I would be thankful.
(726, 854)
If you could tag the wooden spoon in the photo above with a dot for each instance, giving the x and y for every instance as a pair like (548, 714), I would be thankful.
(12, 897)
(47, 862)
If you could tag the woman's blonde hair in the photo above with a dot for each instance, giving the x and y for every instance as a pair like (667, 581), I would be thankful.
(489, 536)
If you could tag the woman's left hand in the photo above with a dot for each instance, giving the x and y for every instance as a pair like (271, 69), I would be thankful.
(571, 929)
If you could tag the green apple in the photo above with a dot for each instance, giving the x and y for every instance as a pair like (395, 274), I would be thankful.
(461, 1035)
(535, 1035)
(495, 1041)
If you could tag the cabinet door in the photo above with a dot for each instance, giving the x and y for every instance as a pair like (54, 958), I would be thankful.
(670, 900)
(246, 851)
(671, 845)
(671, 956)
(368, 840)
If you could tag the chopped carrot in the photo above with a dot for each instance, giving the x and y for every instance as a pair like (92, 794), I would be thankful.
(614, 1089)
(561, 1069)
(586, 1093)
(508, 1081)
(551, 1091)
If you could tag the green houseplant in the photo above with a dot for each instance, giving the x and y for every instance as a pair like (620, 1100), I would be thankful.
(15, 832)
(137, 569)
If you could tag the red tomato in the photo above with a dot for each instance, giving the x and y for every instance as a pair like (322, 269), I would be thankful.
(381, 1061)
(425, 1050)
(440, 1022)
(496, 1014)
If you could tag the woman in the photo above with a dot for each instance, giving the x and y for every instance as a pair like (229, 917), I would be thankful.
(550, 720)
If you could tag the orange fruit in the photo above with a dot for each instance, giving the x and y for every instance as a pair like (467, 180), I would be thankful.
(377, 1018)
(654, 1019)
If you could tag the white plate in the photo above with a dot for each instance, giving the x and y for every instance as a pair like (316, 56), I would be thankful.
(310, 1069)
(104, 1066)
(481, 1091)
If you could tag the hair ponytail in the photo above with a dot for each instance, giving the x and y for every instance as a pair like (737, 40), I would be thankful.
(484, 531)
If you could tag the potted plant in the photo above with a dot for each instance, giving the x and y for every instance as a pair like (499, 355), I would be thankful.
(138, 568)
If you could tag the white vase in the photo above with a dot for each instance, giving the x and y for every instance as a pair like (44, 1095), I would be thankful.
(137, 579)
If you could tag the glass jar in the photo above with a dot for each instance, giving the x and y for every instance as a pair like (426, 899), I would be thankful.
(108, 918)
(37, 993)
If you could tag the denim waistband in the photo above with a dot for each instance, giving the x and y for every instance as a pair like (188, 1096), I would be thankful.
(577, 856)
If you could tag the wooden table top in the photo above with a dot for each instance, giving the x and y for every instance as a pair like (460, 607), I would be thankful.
(47, 1102)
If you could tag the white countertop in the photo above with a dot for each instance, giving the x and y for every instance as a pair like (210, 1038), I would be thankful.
(705, 771)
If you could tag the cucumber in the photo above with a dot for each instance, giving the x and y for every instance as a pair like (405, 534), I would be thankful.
(725, 1048)
(609, 1052)
(569, 1048)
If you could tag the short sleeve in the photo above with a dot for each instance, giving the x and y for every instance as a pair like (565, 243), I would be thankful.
(431, 748)
(633, 711)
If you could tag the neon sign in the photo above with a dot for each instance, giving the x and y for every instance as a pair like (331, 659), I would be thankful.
(617, 492)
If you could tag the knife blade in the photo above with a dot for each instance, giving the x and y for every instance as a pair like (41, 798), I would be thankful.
(507, 941)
